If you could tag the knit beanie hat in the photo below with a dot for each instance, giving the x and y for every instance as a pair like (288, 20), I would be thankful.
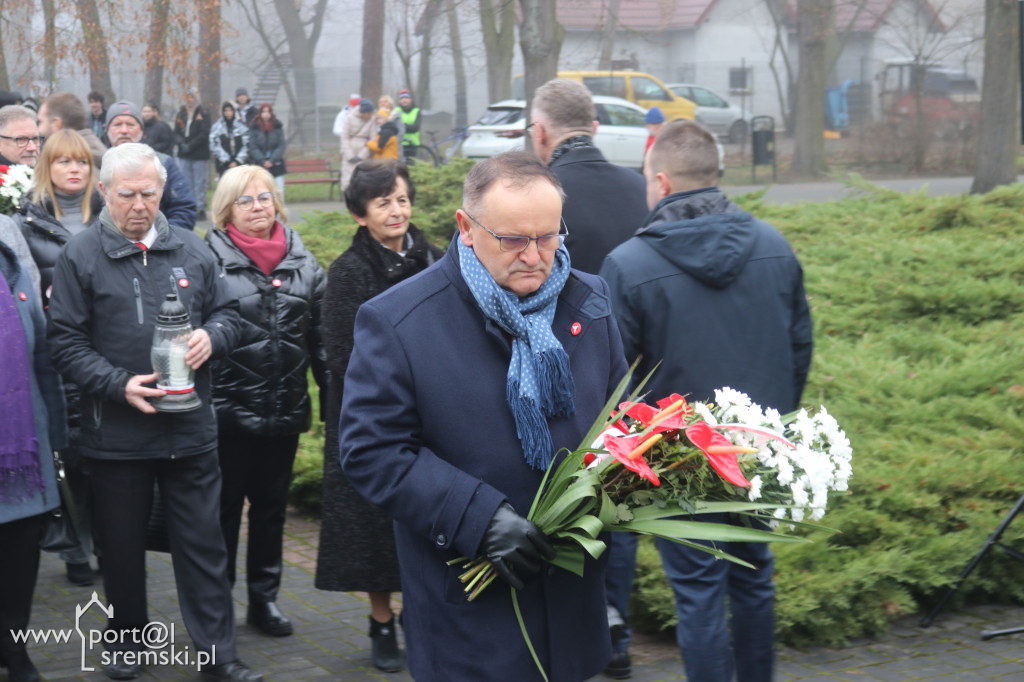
(124, 108)
(365, 106)
(654, 115)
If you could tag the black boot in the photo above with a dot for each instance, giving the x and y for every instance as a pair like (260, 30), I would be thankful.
(268, 618)
(386, 654)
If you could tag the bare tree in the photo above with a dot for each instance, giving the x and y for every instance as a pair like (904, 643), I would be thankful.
(372, 76)
(998, 143)
(499, 45)
(540, 39)
(816, 30)
(156, 52)
(49, 42)
(425, 30)
(94, 45)
(210, 56)
(611, 22)
(455, 36)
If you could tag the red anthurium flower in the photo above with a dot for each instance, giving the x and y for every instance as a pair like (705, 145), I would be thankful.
(620, 447)
(727, 466)
(646, 415)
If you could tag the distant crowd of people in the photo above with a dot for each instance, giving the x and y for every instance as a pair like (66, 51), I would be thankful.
(449, 377)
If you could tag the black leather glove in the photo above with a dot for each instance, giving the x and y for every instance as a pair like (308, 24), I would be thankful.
(515, 546)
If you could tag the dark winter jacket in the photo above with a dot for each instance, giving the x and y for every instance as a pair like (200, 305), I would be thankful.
(260, 388)
(103, 308)
(604, 205)
(229, 142)
(718, 297)
(267, 146)
(46, 236)
(366, 269)
(178, 204)
(428, 437)
(158, 135)
(193, 140)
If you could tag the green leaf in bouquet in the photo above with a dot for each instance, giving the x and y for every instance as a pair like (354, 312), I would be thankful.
(589, 524)
(579, 496)
(570, 557)
(702, 530)
(590, 545)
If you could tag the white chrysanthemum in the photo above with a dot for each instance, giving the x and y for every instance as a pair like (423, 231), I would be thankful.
(705, 413)
(754, 493)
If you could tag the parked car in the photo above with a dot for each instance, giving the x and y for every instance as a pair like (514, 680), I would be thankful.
(637, 87)
(722, 118)
(621, 135)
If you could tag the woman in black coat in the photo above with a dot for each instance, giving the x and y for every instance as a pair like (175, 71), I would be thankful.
(267, 144)
(259, 389)
(357, 545)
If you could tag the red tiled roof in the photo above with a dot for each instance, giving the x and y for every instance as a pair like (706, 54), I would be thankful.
(637, 15)
(659, 15)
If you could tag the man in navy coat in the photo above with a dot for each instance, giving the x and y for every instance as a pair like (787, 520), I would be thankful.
(464, 382)
(717, 297)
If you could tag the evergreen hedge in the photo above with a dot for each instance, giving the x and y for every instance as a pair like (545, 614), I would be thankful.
(917, 306)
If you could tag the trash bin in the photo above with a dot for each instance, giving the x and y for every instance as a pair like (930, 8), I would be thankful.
(762, 144)
(762, 140)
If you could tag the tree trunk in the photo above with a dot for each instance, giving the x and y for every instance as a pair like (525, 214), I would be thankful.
(156, 53)
(499, 45)
(455, 36)
(372, 76)
(608, 35)
(540, 39)
(997, 134)
(301, 48)
(5, 83)
(49, 44)
(95, 44)
(816, 33)
(425, 29)
(210, 55)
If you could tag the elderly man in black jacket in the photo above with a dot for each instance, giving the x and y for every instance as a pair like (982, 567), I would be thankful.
(107, 288)
(604, 203)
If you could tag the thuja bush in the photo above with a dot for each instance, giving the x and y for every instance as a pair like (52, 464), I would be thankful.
(917, 306)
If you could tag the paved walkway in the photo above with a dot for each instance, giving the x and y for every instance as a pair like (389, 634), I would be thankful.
(330, 641)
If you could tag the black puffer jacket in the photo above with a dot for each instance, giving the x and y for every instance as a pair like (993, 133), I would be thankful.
(46, 236)
(260, 387)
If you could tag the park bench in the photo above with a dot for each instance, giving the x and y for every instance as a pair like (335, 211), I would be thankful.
(312, 171)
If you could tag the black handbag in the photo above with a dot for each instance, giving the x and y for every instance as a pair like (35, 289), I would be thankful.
(60, 528)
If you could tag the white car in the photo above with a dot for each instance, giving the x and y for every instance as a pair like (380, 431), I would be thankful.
(722, 118)
(621, 135)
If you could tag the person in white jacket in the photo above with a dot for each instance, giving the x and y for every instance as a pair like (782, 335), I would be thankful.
(339, 120)
(359, 129)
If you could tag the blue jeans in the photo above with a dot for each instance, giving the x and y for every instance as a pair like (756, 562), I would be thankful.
(618, 580)
(195, 173)
(701, 584)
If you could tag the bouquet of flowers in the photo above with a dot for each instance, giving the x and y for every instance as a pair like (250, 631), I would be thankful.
(14, 182)
(650, 470)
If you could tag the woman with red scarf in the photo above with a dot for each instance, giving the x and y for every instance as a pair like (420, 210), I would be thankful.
(267, 144)
(259, 389)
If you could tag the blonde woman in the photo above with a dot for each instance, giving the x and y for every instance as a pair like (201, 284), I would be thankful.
(260, 392)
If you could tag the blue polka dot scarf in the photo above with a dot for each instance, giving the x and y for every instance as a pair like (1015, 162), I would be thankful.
(540, 381)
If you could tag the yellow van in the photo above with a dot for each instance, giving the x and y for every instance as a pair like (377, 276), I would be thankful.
(636, 86)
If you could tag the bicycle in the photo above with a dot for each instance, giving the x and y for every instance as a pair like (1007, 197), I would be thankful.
(438, 153)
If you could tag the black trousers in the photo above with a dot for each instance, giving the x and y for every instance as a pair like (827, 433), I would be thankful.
(259, 468)
(122, 500)
(19, 567)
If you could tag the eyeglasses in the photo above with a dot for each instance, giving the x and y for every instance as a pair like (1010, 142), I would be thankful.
(22, 142)
(518, 244)
(245, 202)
